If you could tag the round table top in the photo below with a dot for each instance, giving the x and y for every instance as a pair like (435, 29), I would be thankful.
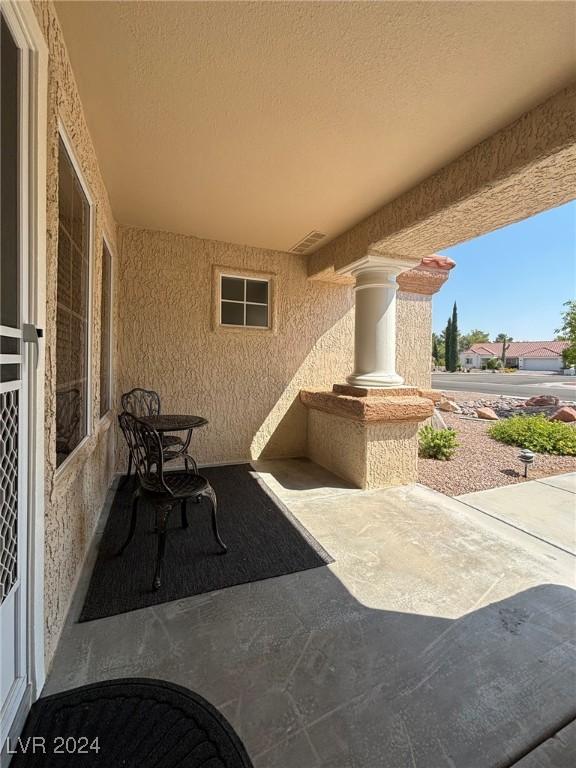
(168, 422)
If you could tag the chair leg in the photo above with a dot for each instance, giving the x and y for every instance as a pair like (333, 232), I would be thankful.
(126, 478)
(130, 536)
(212, 497)
(162, 513)
(183, 513)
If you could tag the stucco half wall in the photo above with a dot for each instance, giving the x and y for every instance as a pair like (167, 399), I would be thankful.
(245, 382)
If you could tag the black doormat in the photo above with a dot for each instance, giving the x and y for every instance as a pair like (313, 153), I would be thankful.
(134, 723)
(264, 540)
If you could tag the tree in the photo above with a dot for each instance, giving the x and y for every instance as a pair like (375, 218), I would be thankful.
(435, 349)
(447, 341)
(503, 339)
(567, 332)
(454, 339)
(472, 337)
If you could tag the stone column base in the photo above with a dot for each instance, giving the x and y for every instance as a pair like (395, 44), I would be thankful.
(367, 438)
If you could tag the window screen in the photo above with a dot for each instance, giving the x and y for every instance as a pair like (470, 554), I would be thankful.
(72, 310)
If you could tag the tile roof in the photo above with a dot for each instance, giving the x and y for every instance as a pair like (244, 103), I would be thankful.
(520, 348)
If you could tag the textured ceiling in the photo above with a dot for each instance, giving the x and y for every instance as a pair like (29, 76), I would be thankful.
(255, 123)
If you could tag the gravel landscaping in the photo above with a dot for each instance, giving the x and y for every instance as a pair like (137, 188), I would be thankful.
(481, 462)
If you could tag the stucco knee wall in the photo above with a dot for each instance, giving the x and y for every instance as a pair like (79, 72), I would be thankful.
(367, 455)
(73, 496)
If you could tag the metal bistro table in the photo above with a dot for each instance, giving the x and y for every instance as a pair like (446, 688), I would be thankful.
(166, 422)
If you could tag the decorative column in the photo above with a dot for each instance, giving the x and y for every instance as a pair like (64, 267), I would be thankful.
(375, 320)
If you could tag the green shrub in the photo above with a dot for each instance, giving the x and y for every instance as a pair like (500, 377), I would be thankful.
(437, 443)
(537, 434)
(494, 364)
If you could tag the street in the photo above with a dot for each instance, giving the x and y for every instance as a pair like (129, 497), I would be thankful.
(517, 384)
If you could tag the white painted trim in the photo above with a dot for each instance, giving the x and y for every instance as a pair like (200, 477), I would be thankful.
(13, 333)
(32, 39)
(8, 359)
(10, 386)
(89, 405)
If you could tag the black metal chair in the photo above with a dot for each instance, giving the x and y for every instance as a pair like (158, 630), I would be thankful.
(145, 402)
(164, 491)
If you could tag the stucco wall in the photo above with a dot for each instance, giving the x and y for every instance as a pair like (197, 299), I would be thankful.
(245, 382)
(414, 338)
(74, 496)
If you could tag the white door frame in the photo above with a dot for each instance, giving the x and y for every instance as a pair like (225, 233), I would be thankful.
(30, 39)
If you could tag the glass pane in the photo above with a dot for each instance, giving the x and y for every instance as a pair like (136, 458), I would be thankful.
(232, 314)
(257, 291)
(9, 345)
(72, 311)
(9, 267)
(233, 288)
(64, 268)
(65, 183)
(9, 371)
(105, 309)
(257, 315)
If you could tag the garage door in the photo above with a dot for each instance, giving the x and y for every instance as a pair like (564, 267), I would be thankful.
(542, 364)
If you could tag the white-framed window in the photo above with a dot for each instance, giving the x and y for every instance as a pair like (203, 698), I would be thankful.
(106, 332)
(244, 301)
(73, 306)
(469, 361)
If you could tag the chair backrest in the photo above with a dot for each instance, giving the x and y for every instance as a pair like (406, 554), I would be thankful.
(145, 446)
(141, 402)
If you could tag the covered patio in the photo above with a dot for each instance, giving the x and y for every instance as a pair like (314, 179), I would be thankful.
(241, 207)
(439, 636)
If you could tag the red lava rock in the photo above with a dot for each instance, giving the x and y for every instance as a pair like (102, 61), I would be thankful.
(564, 414)
(542, 400)
(449, 406)
(486, 413)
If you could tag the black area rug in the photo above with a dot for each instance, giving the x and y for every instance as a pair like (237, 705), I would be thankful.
(263, 539)
(129, 723)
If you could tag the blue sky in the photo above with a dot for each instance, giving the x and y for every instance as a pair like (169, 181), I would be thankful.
(513, 280)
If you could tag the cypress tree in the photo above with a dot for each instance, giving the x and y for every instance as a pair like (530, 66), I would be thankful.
(435, 352)
(447, 343)
(454, 339)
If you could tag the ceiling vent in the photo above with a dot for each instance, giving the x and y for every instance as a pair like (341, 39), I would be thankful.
(308, 242)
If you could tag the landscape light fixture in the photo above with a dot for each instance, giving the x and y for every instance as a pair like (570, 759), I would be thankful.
(527, 458)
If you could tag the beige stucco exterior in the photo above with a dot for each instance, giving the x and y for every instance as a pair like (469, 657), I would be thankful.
(373, 455)
(73, 495)
(244, 381)
(247, 382)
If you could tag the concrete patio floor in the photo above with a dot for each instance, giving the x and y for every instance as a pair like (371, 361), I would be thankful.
(440, 636)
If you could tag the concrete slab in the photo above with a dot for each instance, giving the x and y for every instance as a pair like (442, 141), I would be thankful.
(300, 479)
(540, 509)
(439, 636)
(567, 481)
(559, 751)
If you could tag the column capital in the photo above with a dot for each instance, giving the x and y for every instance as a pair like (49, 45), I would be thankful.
(428, 277)
(373, 261)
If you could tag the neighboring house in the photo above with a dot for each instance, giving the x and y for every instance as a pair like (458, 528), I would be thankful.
(524, 355)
